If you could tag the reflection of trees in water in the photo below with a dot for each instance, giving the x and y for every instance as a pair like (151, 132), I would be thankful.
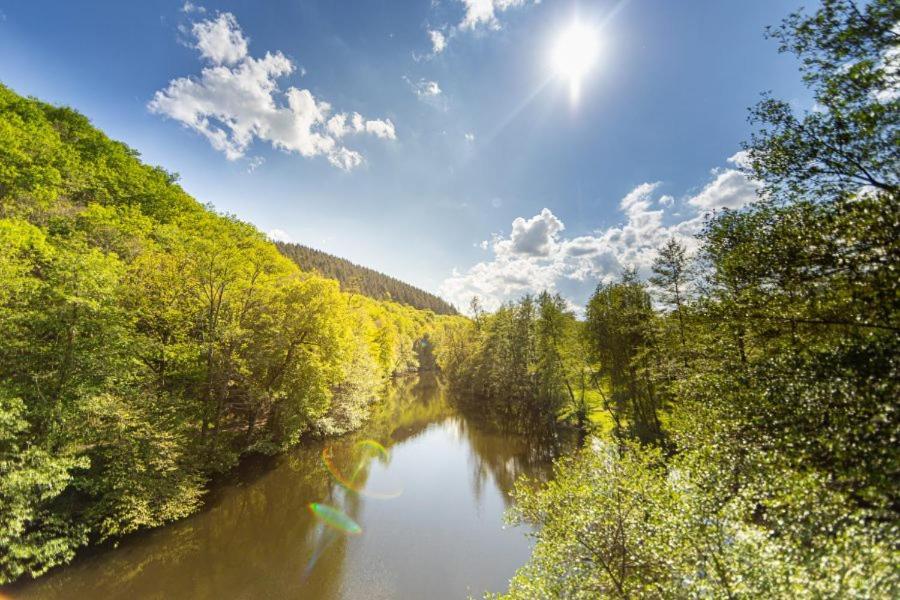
(252, 543)
(256, 534)
(507, 455)
(412, 405)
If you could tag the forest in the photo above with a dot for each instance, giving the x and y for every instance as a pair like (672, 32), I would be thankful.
(742, 400)
(147, 343)
(363, 280)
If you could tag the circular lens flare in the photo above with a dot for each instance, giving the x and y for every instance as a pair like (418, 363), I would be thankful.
(367, 449)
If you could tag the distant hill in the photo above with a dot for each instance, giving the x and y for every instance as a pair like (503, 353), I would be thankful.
(363, 280)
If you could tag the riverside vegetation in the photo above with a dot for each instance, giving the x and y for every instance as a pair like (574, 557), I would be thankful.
(748, 418)
(146, 342)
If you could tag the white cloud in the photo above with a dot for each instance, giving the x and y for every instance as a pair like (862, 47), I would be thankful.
(731, 188)
(536, 236)
(740, 159)
(890, 62)
(280, 235)
(220, 40)
(342, 124)
(438, 41)
(535, 256)
(479, 15)
(484, 12)
(237, 99)
(470, 137)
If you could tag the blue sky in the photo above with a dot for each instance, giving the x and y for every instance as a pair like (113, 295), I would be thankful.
(429, 139)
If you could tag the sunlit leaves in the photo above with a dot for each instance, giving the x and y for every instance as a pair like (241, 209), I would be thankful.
(147, 342)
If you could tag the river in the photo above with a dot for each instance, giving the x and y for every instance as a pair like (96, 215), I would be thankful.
(430, 515)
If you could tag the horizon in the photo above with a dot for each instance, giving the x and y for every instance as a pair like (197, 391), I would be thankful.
(406, 131)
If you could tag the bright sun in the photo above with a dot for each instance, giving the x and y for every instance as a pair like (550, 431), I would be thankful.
(574, 54)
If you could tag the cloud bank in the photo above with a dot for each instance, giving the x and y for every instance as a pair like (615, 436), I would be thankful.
(536, 256)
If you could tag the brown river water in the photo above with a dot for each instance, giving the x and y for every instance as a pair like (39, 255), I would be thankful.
(430, 514)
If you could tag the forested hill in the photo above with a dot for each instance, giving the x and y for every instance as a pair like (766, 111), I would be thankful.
(147, 343)
(363, 280)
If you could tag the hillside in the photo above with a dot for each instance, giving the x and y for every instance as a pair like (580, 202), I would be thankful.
(146, 342)
(363, 280)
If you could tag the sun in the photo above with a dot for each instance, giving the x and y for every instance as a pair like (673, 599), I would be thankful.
(574, 53)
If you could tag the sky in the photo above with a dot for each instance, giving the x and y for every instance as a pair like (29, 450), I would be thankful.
(443, 142)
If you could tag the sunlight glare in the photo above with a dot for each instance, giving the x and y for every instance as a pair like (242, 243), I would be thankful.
(574, 53)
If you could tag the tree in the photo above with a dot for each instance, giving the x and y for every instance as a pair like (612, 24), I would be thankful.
(850, 61)
(671, 276)
(619, 326)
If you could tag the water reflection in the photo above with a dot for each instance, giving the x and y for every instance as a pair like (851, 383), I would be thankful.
(442, 538)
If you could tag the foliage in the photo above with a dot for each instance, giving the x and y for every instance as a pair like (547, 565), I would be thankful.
(621, 339)
(363, 280)
(146, 342)
(850, 59)
(774, 379)
(522, 364)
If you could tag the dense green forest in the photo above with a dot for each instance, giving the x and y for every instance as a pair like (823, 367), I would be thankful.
(743, 400)
(147, 342)
(362, 280)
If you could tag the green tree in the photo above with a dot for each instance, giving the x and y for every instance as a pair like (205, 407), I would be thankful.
(849, 59)
(672, 276)
(619, 328)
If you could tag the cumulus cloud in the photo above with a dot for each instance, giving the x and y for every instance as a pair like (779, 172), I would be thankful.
(236, 99)
(536, 236)
(731, 188)
(220, 40)
(343, 124)
(536, 256)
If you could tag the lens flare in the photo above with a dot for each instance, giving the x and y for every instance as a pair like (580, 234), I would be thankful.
(335, 518)
(374, 447)
(367, 449)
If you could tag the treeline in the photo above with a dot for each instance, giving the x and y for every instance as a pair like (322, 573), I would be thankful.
(362, 280)
(146, 342)
(521, 365)
(751, 390)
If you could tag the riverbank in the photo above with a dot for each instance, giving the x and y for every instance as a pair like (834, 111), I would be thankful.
(255, 537)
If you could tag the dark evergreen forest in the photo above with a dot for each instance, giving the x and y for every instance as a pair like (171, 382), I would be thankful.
(363, 280)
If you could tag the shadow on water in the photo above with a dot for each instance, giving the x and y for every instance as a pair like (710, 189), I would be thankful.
(443, 537)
